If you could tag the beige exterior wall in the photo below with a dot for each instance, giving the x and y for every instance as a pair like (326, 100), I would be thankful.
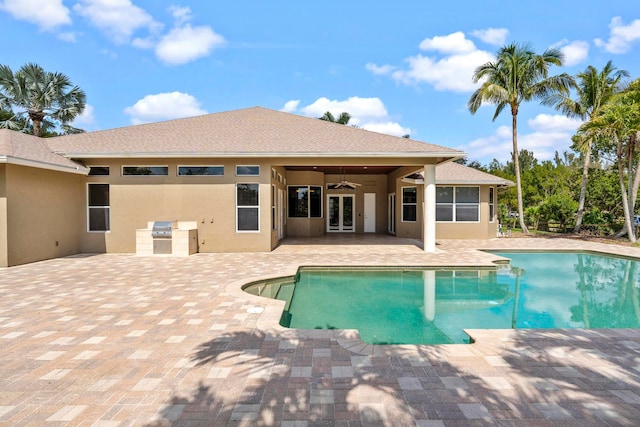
(486, 228)
(4, 255)
(43, 211)
(306, 227)
(208, 200)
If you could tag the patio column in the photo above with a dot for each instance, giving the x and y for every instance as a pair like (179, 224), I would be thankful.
(429, 220)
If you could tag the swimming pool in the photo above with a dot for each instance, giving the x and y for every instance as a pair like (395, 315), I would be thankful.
(429, 306)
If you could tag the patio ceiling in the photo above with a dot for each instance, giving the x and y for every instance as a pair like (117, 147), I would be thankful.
(346, 170)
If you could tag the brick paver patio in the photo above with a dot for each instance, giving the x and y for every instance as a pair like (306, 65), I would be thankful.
(121, 340)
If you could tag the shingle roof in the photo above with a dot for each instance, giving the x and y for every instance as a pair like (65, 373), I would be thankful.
(251, 131)
(455, 173)
(28, 150)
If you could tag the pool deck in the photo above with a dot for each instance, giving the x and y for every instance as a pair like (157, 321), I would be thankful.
(122, 340)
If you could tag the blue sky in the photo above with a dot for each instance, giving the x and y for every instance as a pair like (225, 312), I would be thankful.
(399, 67)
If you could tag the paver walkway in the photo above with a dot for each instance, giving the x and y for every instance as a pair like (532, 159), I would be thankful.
(120, 340)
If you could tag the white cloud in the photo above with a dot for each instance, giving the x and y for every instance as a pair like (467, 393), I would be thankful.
(380, 69)
(390, 128)
(46, 14)
(291, 106)
(546, 135)
(366, 113)
(621, 36)
(86, 118)
(186, 44)
(452, 43)
(119, 19)
(574, 52)
(164, 106)
(180, 14)
(449, 69)
(494, 36)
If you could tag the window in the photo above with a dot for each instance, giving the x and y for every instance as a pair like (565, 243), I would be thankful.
(247, 207)
(492, 205)
(247, 170)
(200, 170)
(305, 201)
(98, 170)
(409, 204)
(273, 207)
(144, 170)
(458, 204)
(98, 207)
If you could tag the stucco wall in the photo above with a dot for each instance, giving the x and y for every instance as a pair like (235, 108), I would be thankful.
(44, 210)
(208, 200)
(484, 229)
(4, 260)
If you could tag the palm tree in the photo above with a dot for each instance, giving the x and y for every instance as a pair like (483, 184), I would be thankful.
(594, 89)
(517, 75)
(616, 130)
(343, 119)
(39, 97)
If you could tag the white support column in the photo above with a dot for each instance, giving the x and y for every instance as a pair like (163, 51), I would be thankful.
(429, 217)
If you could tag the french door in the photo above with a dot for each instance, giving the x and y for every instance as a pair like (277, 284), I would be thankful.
(340, 213)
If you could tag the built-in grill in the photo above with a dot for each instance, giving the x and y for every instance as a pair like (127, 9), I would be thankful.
(161, 234)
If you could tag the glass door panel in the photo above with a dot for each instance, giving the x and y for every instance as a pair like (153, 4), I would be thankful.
(340, 215)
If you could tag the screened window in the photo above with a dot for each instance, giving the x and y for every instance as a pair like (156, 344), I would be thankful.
(98, 207)
(99, 171)
(200, 170)
(305, 201)
(492, 205)
(409, 204)
(145, 170)
(458, 204)
(247, 170)
(247, 207)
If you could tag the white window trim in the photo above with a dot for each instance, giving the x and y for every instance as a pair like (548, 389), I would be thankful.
(247, 166)
(403, 204)
(89, 207)
(454, 204)
(247, 207)
(274, 211)
(492, 202)
(198, 166)
(143, 166)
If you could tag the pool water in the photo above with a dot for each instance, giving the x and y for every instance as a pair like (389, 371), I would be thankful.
(422, 306)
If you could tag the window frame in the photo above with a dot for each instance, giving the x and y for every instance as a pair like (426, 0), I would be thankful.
(492, 204)
(247, 174)
(143, 166)
(274, 193)
(198, 166)
(454, 204)
(238, 207)
(309, 210)
(107, 208)
(403, 204)
(99, 174)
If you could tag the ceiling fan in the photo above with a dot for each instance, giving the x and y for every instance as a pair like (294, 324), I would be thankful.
(343, 184)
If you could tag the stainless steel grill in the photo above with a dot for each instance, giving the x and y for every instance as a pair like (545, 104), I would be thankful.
(161, 234)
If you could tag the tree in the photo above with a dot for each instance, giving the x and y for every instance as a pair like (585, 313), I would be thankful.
(343, 119)
(594, 88)
(518, 75)
(39, 98)
(616, 129)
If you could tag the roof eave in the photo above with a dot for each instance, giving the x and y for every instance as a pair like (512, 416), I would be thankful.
(81, 170)
(140, 155)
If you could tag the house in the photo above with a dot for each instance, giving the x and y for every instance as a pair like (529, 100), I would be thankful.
(244, 180)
